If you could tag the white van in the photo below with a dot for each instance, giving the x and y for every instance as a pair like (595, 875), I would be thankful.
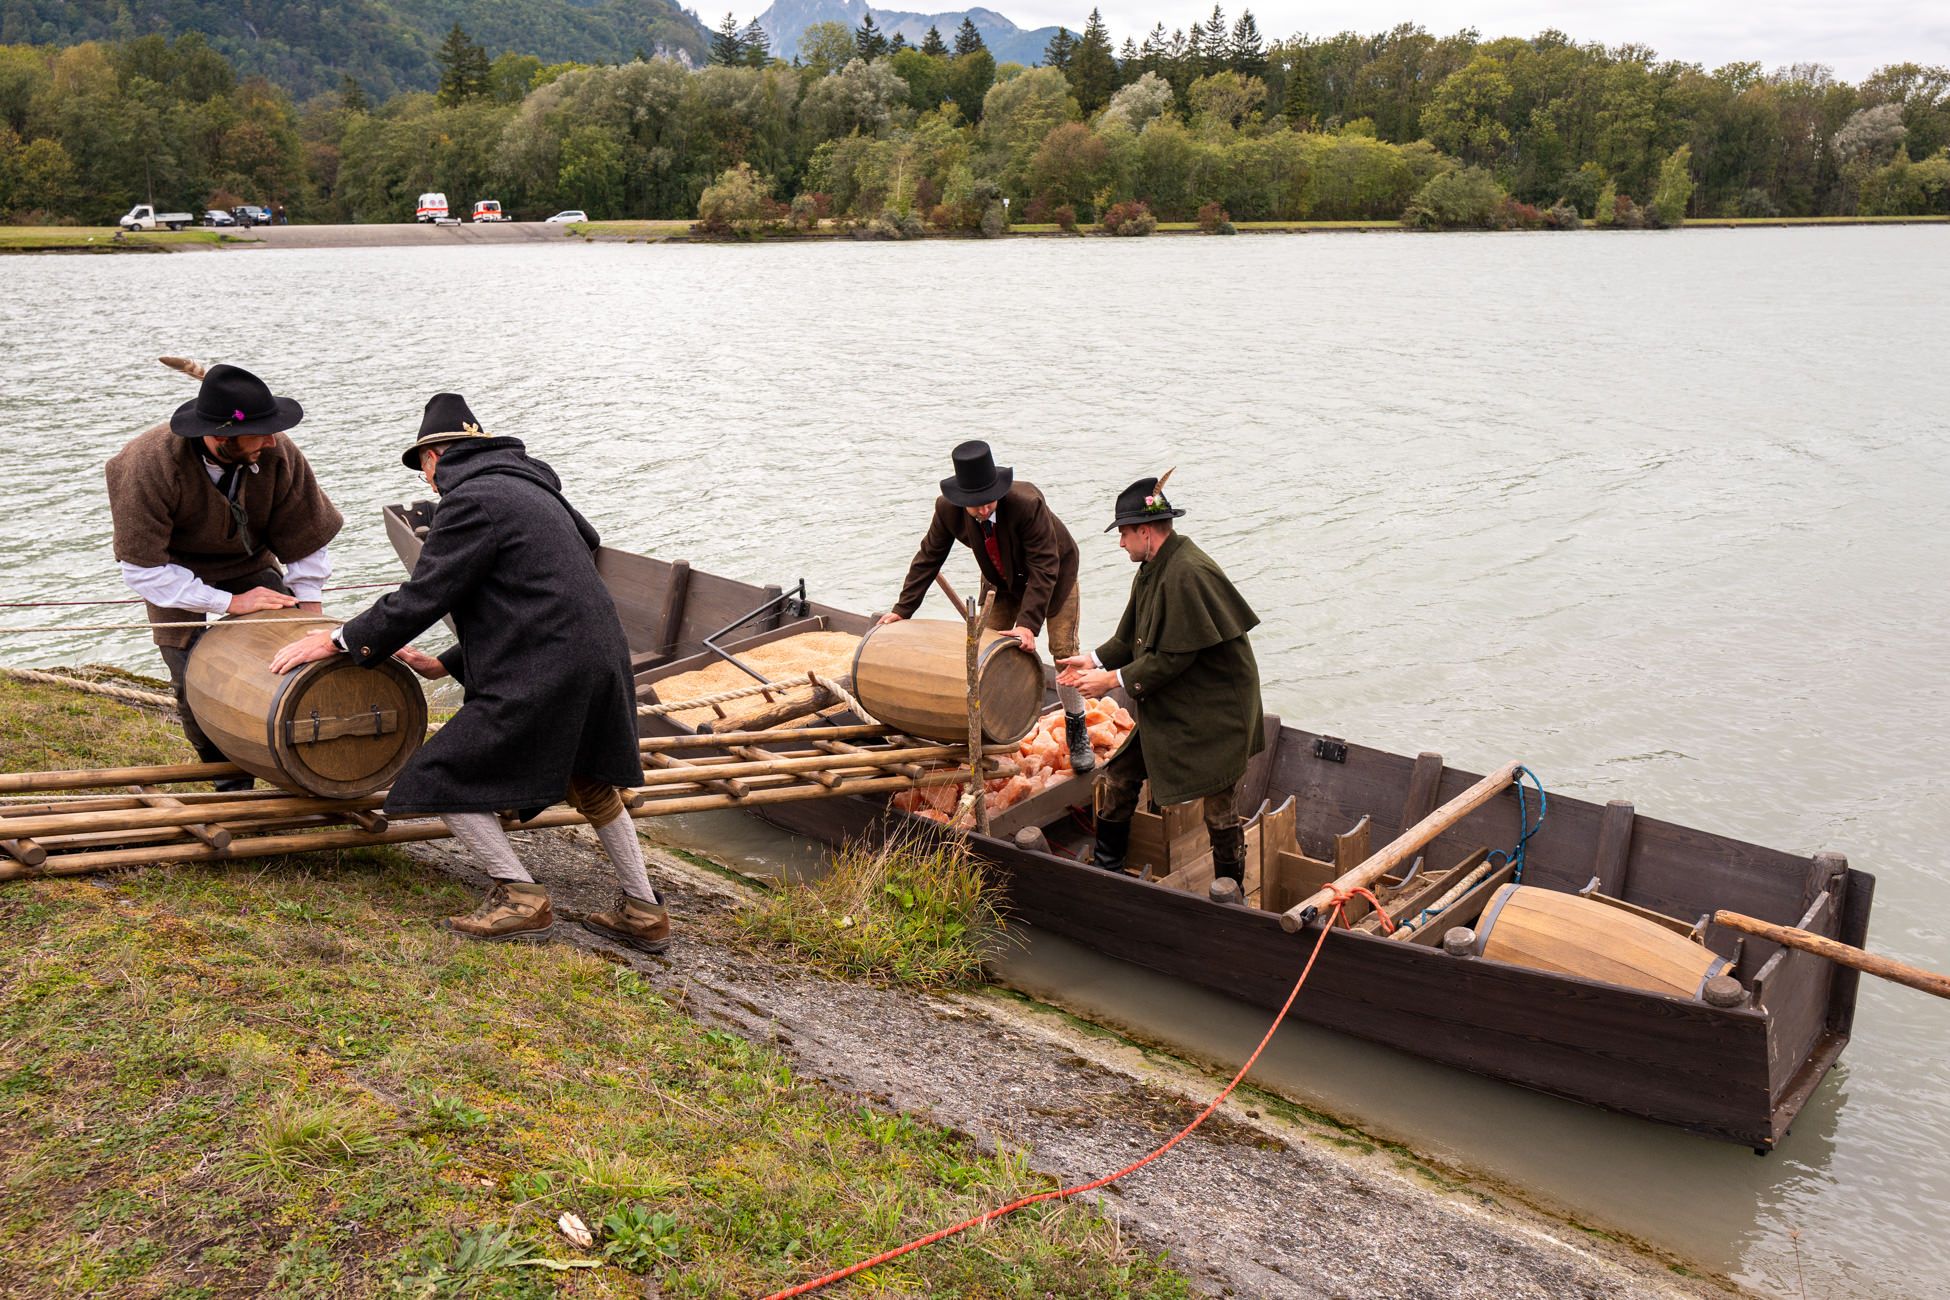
(432, 207)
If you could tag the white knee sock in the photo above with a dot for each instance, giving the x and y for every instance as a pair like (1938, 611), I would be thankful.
(488, 844)
(1072, 699)
(626, 854)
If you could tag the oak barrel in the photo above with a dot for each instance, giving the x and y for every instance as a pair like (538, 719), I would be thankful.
(1548, 930)
(913, 676)
(328, 728)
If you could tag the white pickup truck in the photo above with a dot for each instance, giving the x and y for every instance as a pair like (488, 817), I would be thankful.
(144, 217)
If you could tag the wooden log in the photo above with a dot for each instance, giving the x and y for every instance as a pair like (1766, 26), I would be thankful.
(732, 787)
(948, 590)
(89, 778)
(841, 747)
(25, 852)
(825, 778)
(1402, 847)
(214, 836)
(976, 781)
(78, 864)
(69, 805)
(1030, 839)
(798, 705)
(1840, 953)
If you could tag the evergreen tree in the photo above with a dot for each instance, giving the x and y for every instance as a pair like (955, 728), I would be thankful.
(1092, 71)
(933, 44)
(868, 40)
(1130, 65)
(1298, 106)
(967, 39)
(727, 46)
(1216, 42)
(352, 95)
(898, 44)
(1061, 49)
(1247, 51)
(1152, 55)
(463, 68)
(758, 46)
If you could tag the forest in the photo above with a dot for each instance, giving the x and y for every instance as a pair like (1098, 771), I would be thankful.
(1210, 122)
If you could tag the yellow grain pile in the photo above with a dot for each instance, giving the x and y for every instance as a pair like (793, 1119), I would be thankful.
(830, 654)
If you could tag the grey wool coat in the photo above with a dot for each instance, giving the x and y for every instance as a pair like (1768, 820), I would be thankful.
(542, 657)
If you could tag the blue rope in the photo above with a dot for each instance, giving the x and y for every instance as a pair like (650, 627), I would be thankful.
(1526, 830)
(1498, 857)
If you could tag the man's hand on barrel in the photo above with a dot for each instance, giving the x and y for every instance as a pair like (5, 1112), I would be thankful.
(885, 619)
(1082, 672)
(1024, 638)
(420, 662)
(257, 598)
(306, 649)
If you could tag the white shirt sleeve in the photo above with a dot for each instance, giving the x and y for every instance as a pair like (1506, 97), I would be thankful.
(306, 577)
(174, 587)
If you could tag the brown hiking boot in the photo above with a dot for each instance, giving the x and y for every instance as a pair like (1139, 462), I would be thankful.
(512, 910)
(642, 926)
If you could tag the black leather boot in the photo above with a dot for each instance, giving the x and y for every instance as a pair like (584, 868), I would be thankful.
(1229, 856)
(1113, 838)
(1082, 757)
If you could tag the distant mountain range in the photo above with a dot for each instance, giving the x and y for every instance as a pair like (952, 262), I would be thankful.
(388, 45)
(786, 19)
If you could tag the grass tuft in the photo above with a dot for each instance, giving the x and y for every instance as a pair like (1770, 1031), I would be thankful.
(294, 1138)
(915, 911)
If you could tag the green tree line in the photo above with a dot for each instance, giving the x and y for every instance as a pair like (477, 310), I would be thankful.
(1210, 121)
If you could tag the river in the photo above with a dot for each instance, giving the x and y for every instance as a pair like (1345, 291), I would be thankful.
(1661, 514)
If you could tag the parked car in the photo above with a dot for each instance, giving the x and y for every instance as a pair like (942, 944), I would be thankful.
(489, 210)
(218, 217)
(432, 207)
(573, 214)
(144, 217)
(250, 214)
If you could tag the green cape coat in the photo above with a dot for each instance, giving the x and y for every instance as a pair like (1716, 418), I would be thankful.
(1189, 670)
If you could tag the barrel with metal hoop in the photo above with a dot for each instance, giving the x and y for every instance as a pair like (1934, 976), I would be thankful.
(913, 676)
(1546, 929)
(328, 728)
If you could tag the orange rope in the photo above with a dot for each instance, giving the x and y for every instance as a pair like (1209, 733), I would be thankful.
(1342, 897)
(983, 1220)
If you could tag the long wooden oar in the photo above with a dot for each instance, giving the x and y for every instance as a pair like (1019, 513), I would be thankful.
(1841, 953)
(1402, 847)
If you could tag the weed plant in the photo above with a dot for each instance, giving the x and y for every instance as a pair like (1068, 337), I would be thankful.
(912, 910)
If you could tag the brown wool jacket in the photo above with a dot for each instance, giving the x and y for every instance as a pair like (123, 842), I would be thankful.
(1039, 558)
(167, 511)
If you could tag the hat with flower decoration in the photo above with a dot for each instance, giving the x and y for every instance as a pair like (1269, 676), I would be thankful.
(447, 419)
(1144, 502)
(232, 403)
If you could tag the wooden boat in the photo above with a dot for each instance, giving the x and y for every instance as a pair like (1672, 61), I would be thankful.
(1737, 1072)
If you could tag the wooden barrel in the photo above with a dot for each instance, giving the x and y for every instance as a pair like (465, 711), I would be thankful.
(328, 728)
(1548, 930)
(913, 676)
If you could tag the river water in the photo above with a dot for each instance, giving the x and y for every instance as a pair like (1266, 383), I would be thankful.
(1661, 514)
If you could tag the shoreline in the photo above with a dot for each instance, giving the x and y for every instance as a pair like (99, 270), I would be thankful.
(73, 240)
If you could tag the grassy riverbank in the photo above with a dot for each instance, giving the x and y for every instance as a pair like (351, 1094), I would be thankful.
(286, 1077)
(109, 239)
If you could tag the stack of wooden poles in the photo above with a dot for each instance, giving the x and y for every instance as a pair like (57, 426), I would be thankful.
(130, 818)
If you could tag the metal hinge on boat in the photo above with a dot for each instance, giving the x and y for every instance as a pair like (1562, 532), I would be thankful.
(1330, 749)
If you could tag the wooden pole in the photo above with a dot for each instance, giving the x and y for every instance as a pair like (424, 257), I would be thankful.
(1402, 847)
(948, 590)
(976, 782)
(87, 778)
(815, 700)
(1841, 953)
(794, 735)
(214, 836)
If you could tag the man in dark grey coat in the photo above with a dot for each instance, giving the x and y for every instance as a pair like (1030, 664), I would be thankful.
(550, 705)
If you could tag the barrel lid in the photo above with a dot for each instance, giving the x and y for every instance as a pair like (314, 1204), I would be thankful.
(342, 731)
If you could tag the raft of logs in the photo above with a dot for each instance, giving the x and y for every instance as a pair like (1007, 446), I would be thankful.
(127, 818)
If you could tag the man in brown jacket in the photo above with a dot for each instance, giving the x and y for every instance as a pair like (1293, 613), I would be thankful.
(1026, 556)
(217, 512)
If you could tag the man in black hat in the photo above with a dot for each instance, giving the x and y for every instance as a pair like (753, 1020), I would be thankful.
(1026, 556)
(217, 512)
(550, 705)
(1182, 655)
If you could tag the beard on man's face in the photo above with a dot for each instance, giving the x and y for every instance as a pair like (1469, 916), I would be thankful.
(228, 452)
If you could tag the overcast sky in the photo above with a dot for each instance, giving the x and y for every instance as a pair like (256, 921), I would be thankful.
(1853, 37)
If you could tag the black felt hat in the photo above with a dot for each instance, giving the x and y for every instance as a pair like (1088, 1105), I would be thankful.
(447, 419)
(1144, 503)
(233, 403)
(977, 479)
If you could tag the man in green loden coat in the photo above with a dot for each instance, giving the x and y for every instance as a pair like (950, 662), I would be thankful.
(1182, 656)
